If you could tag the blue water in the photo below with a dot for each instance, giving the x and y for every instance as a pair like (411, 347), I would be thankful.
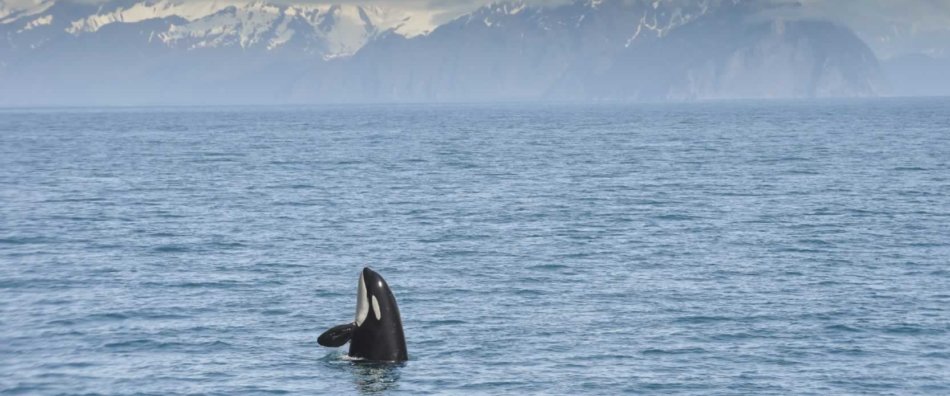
(709, 248)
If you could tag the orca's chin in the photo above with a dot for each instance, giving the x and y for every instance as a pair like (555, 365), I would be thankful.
(362, 301)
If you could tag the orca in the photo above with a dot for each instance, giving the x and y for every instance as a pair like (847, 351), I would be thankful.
(376, 334)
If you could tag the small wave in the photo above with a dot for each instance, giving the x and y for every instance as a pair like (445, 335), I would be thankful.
(676, 217)
(905, 329)
(132, 344)
(107, 316)
(493, 385)
(228, 245)
(221, 154)
(277, 162)
(528, 292)
(344, 163)
(253, 389)
(195, 284)
(78, 218)
(26, 240)
(61, 322)
(204, 285)
(171, 249)
(847, 351)
(864, 212)
(67, 365)
(844, 328)
(146, 344)
(796, 250)
(296, 203)
(702, 319)
(446, 322)
(161, 316)
(105, 246)
(777, 160)
(549, 267)
(26, 389)
(736, 194)
(167, 215)
(298, 186)
(674, 351)
(926, 244)
(165, 234)
(71, 200)
(738, 336)
(275, 312)
(570, 256)
(802, 172)
(211, 160)
(280, 265)
(218, 374)
(346, 358)
(460, 253)
(818, 242)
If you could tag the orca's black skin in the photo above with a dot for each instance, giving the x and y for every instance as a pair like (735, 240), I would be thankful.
(374, 338)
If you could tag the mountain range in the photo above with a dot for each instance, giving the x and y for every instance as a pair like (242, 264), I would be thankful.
(139, 52)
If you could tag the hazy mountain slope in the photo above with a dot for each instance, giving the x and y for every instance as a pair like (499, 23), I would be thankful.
(176, 51)
(238, 51)
(728, 56)
(609, 50)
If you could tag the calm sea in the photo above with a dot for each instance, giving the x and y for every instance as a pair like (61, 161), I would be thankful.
(708, 248)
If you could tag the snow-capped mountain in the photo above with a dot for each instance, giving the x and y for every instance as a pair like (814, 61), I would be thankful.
(330, 30)
(244, 51)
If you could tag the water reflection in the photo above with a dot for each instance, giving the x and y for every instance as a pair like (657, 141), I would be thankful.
(370, 378)
(375, 378)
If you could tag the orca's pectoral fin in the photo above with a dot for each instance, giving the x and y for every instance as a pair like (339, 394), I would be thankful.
(337, 336)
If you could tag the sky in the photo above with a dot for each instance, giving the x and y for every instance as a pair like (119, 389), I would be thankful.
(890, 27)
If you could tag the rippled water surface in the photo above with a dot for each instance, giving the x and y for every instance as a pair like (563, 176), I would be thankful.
(735, 248)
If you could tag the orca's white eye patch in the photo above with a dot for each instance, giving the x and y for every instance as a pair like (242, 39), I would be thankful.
(362, 306)
(376, 312)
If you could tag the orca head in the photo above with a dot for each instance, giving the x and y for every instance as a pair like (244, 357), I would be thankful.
(376, 334)
(375, 302)
(377, 331)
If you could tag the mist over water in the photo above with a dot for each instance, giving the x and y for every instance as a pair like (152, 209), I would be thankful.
(706, 248)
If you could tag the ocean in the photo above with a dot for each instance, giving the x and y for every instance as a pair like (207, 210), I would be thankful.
(780, 247)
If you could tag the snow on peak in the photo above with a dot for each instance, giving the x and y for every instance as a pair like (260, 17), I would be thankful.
(41, 21)
(150, 9)
(13, 12)
(408, 23)
(343, 28)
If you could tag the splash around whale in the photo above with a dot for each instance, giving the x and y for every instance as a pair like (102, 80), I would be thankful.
(376, 334)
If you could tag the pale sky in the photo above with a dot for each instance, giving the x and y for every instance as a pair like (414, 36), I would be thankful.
(891, 26)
